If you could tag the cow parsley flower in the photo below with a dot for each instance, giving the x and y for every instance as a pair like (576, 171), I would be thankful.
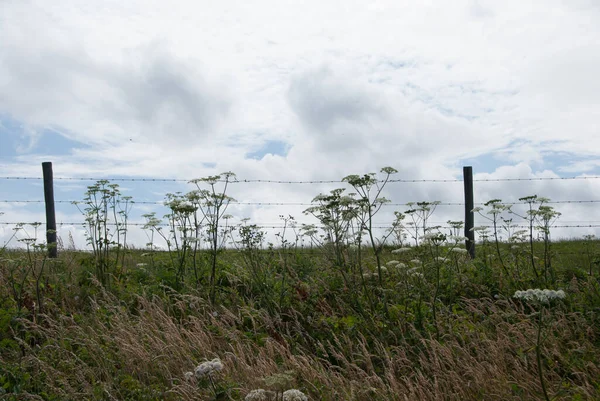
(392, 263)
(294, 395)
(259, 395)
(208, 367)
(401, 250)
(459, 250)
(539, 296)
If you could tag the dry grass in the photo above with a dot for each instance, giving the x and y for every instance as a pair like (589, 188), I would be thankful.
(485, 354)
(104, 346)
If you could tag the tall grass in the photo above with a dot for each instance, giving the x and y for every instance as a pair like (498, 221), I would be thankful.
(335, 321)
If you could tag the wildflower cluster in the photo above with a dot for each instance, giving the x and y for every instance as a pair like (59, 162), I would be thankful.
(180, 205)
(541, 296)
(205, 369)
(264, 395)
(402, 250)
(294, 395)
(397, 264)
(259, 395)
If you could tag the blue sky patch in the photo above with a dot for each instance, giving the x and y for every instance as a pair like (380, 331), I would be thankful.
(17, 139)
(486, 163)
(276, 148)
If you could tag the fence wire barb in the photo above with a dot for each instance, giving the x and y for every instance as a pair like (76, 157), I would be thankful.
(255, 181)
(304, 203)
(297, 226)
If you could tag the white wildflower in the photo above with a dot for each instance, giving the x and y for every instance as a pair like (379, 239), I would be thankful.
(457, 238)
(188, 375)
(415, 261)
(400, 266)
(459, 250)
(294, 395)
(392, 263)
(441, 259)
(186, 204)
(540, 296)
(258, 395)
(216, 365)
(208, 367)
(401, 250)
(141, 264)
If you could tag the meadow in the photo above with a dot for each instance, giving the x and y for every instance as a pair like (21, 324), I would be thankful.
(335, 311)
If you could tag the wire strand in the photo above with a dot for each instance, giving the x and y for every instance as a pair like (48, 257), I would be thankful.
(257, 181)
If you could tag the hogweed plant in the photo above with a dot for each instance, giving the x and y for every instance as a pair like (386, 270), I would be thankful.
(420, 212)
(206, 373)
(541, 300)
(369, 188)
(284, 247)
(546, 216)
(530, 216)
(336, 212)
(31, 265)
(106, 213)
(250, 244)
(494, 214)
(434, 239)
(213, 203)
(183, 228)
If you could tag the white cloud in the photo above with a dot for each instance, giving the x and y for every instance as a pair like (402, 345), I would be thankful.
(170, 89)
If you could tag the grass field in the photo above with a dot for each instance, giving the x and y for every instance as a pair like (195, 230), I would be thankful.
(224, 315)
(435, 325)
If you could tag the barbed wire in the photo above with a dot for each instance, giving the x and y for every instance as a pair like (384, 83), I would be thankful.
(265, 181)
(306, 204)
(297, 225)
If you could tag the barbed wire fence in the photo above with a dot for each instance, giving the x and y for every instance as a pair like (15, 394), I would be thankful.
(570, 224)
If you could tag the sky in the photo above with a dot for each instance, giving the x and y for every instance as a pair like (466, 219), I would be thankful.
(300, 91)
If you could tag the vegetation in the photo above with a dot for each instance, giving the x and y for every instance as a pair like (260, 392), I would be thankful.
(223, 315)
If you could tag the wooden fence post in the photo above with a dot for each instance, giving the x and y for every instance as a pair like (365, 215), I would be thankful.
(50, 214)
(469, 214)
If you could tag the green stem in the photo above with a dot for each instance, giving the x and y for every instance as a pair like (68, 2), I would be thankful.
(538, 355)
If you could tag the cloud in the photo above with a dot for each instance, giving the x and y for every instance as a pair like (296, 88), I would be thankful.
(169, 98)
(321, 99)
(154, 90)
(151, 94)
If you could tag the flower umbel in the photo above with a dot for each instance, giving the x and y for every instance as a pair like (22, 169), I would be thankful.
(540, 296)
(259, 395)
(208, 367)
(294, 395)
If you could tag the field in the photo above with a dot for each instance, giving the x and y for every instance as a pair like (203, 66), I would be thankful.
(324, 313)
(288, 317)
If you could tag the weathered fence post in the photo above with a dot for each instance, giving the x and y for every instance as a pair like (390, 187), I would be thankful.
(469, 214)
(50, 214)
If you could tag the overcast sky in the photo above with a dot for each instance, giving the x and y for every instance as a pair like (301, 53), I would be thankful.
(311, 90)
